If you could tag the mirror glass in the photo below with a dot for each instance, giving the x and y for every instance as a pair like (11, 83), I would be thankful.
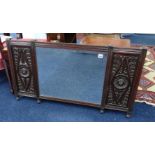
(71, 74)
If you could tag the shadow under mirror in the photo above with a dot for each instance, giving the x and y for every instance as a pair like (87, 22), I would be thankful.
(71, 74)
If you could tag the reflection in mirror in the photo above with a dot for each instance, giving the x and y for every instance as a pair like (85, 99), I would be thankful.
(71, 74)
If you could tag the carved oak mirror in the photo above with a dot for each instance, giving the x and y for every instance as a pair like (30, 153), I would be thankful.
(98, 76)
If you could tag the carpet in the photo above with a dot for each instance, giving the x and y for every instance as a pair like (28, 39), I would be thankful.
(146, 89)
(27, 110)
(141, 39)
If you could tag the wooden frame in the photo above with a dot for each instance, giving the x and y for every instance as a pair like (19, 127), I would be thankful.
(120, 83)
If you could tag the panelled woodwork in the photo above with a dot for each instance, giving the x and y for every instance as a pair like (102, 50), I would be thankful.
(23, 68)
(124, 74)
(23, 64)
(62, 37)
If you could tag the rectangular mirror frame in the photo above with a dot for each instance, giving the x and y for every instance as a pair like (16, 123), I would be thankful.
(120, 84)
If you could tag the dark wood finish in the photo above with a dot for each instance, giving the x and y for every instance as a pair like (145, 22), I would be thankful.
(54, 36)
(70, 101)
(70, 37)
(22, 60)
(19, 35)
(35, 70)
(7, 34)
(62, 37)
(77, 47)
(123, 72)
(1, 44)
(4, 53)
(8, 72)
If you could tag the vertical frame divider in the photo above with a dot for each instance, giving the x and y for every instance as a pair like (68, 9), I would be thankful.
(35, 69)
(107, 78)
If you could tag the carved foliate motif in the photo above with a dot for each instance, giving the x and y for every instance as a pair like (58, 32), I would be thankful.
(123, 72)
(23, 66)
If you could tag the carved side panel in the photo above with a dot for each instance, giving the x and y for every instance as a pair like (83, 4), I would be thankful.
(22, 58)
(122, 75)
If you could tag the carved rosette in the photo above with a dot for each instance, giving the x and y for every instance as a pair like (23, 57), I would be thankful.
(23, 66)
(123, 72)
